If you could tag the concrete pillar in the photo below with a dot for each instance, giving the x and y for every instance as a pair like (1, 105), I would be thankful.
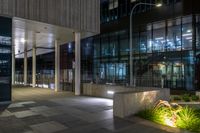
(57, 66)
(34, 66)
(25, 64)
(77, 63)
(13, 63)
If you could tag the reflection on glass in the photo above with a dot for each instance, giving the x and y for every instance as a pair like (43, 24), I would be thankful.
(187, 33)
(174, 35)
(149, 39)
(159, 37)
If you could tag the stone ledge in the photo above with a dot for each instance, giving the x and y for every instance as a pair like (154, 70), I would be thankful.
(101, 90)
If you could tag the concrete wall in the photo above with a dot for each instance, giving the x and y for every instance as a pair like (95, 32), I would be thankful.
(130, 103)
(198, 93)
(82, 15)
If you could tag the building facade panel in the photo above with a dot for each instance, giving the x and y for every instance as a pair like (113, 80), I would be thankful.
(53, 12)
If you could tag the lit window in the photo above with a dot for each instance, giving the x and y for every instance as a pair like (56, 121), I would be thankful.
(113, 4)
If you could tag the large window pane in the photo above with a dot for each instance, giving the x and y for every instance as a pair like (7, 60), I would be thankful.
(174, 35)
(97, 50)
(198, 32)
(124, 43)
(143, 42)
(114, 44)
(5, 58)
(149, 39)
(159, 37)
(105, 51)
(187, 33)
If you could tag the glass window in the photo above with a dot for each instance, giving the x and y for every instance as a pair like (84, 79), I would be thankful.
(159, 37)
(124, 43)
(187, 33)
(123, 7)
(97, 49)
(105, 51)
(143, 42)
(174, 35)
(5, 58)
(136, 45)
(198, 32)
(149, 39)
(114, 44)
(113, 4)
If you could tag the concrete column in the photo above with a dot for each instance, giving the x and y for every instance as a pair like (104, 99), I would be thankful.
(77, 63)
(34, 66)
(57, 66)
(25, 64)
(13, 63)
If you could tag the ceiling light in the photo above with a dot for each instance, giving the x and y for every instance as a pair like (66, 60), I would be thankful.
(189, 31)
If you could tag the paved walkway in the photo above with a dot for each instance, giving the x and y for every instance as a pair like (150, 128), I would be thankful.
(70, 114)
(20, 93)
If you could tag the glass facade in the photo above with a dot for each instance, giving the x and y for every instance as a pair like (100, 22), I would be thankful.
(44, 71)
(112, 10)
(163, 52)
(5, 58)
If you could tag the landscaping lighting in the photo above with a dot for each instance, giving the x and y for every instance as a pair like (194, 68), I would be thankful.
(110, 92)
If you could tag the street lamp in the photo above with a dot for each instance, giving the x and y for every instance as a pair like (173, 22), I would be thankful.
(133, 81)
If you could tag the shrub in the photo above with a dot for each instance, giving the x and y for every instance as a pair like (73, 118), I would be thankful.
(173, 115)
(195, 98)
(186, 97)
(188, 118)
(155, 115)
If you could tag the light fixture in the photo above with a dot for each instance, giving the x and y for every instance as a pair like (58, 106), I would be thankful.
(159, 38)
(110, 92)
(188, 34)
(189, 31)
(158, 3)
(23, 40)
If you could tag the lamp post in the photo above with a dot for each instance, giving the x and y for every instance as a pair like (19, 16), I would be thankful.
(133, 81)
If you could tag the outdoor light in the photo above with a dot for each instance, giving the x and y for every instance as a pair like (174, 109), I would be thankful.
(169, 122)
(110, 92)
(158, 3)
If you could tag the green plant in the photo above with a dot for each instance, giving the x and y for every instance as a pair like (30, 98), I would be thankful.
(195, 98)
(188, 118)
(186, 97)
(173, 115)
(155, 115)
